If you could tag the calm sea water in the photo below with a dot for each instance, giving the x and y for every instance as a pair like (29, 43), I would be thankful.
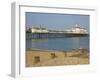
(58, 43)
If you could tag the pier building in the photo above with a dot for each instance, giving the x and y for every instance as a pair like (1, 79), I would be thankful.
(78, 29)
(39, 30)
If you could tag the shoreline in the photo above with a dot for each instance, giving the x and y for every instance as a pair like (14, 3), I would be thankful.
(47, 50)
(37, 57)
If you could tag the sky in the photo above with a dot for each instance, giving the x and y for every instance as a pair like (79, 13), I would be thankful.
(53, 21)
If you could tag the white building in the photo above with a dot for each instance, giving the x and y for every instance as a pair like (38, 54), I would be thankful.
(39, 30)
(78, 29)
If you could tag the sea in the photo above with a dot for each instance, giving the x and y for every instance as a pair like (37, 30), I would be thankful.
(60, 44)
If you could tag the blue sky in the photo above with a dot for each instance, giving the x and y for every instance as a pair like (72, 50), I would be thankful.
(54, 21)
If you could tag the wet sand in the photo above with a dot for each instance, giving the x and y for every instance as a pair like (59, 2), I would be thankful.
(36, 58)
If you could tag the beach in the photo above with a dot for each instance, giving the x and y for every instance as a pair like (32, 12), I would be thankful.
(37, 58)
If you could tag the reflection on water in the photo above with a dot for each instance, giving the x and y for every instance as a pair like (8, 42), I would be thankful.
(58, 43)
(39, 40)
(76, 41)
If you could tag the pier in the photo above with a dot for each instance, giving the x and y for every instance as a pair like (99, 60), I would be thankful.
(40, 32)
(53, 35)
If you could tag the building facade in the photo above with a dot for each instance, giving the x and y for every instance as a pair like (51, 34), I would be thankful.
(78, 29)
(39, 30)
